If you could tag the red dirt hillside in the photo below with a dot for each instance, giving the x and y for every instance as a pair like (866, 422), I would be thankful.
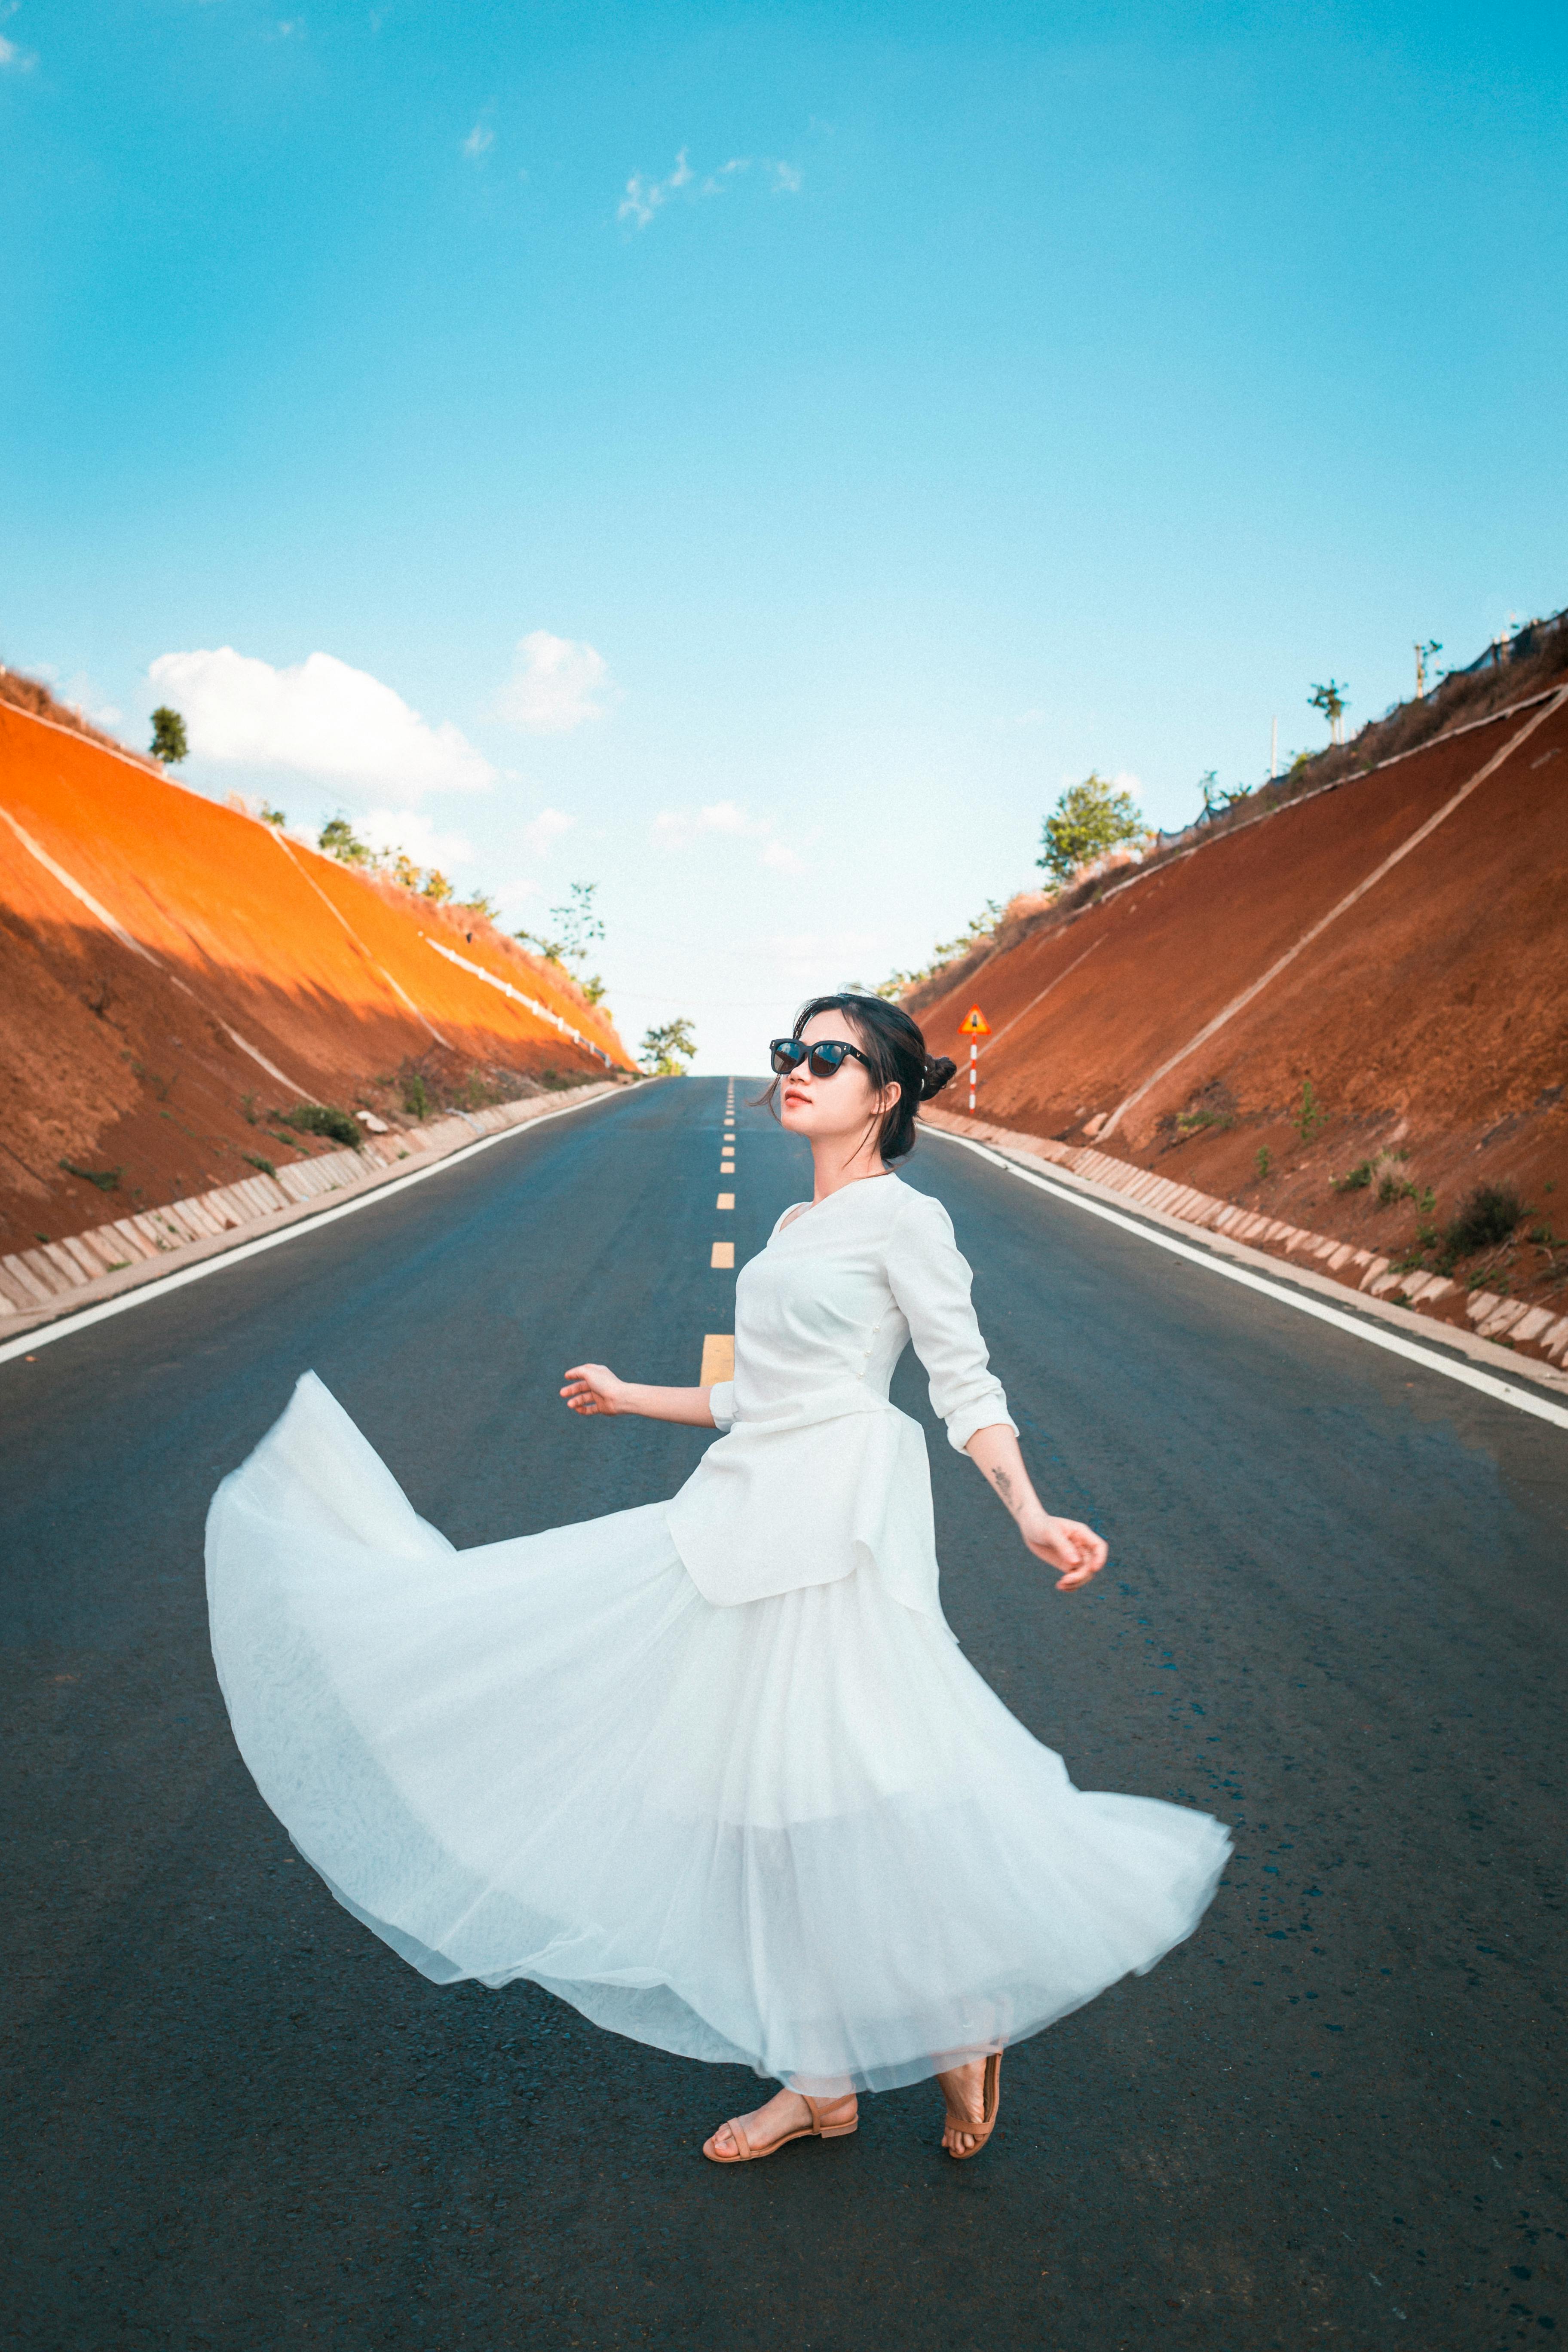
(1426, 1016)
(174, 974)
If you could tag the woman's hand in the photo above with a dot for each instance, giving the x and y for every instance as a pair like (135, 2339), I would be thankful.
(1066, 1544)
(594, 1388)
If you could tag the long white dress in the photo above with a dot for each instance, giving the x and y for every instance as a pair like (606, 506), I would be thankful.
(714, 1771)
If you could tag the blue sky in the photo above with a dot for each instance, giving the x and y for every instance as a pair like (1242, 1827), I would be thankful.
(752, 458)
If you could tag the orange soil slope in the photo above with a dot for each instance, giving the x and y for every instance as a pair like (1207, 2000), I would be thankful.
(1429, 1016)
(222, 974)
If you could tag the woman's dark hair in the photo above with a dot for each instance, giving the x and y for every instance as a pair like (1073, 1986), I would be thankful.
(897, 1053)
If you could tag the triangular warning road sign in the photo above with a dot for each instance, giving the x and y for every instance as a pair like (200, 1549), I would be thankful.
(975, 1023)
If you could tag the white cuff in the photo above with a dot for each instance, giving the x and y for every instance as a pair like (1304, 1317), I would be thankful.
(992, 1415)
(721, 1403)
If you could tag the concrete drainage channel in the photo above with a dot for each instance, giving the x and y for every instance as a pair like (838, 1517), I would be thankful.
(38, 1287)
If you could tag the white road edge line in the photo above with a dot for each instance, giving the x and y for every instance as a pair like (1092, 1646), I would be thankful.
(31, 1341)
(1523, 1400)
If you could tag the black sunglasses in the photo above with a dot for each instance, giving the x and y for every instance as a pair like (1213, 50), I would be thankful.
(825, 1057)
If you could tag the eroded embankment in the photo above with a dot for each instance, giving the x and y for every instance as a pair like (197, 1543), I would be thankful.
(175, 975)
(1368, 981)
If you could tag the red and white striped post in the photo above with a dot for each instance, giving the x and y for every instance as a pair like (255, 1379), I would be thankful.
(973, 1026)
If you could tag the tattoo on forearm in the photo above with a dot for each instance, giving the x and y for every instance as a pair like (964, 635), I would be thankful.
(1003, 1485)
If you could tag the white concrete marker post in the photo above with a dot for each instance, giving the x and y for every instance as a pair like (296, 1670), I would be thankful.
(973, 1026)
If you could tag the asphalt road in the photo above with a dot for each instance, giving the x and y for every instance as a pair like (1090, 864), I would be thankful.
(1335, 1616)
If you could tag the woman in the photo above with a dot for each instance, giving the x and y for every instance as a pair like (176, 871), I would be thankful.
(715, 1771)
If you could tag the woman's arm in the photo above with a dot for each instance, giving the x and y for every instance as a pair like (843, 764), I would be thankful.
(1066, 1544)
(594, 1388)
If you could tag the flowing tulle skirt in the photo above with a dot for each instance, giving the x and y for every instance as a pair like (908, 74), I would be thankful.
(800, 1834)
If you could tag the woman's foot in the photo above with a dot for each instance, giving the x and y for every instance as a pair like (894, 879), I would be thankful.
(787, 2115)
(965, 2089)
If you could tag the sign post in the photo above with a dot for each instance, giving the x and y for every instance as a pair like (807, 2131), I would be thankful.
(973, 1026)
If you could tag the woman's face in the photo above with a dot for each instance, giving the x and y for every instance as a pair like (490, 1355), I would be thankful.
(845, 1109)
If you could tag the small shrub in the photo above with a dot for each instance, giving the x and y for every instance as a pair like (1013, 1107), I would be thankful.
(106, 1179)
(417, 1097)
(1264, 1162)
(259, 1160)
(169, 742)
(247, 1104)
(1487, 1218)
(1356, 1180)
(1310, 1113)
(323, 1118)
(338, 840)
(1194, 1122)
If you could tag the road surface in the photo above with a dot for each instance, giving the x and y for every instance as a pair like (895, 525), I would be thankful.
(1335, 1616)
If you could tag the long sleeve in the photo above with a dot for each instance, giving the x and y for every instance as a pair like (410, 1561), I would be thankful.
(929, 1280)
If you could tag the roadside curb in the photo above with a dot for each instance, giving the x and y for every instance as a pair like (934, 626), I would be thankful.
(212, 1224)
(1041, 1158)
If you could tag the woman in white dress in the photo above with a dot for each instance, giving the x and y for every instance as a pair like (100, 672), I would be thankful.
(715, 1771)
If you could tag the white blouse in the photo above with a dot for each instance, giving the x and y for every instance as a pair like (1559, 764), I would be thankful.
(817, 1474)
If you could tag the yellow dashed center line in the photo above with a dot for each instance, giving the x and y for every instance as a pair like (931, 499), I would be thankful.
(718, 1347)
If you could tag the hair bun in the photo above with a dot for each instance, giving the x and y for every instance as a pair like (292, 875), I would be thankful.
(938, 1069)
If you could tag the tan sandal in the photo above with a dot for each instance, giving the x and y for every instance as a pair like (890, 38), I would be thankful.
(816, 2129)
(990, 2100)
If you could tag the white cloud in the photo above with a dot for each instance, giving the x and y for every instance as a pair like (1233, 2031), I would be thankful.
(14, 60)
(481, 138)
(412, 829)
(541, 832)
(644, 197)
(678, 828)
(320, 719)
(554, 685)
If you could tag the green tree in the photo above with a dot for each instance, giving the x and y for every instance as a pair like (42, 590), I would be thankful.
(578, 924)
(1088, 819)
(436, 885)
(338, 840)
(270, 815)
(664, 1052)
(1218, 797)
(168, 742)
(1333, 701)
(579, 920)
